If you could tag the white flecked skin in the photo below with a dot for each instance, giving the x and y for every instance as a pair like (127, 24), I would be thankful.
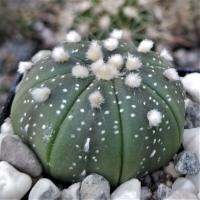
(74, 132)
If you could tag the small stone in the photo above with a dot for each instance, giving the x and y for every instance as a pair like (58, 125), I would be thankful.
(129, 190)
(170, 169)
(187, 163)
(14, 151)
(192, 115)
(95, 187)
(6, 127)
(163, 191)
(182, 195)
(184, 184)
(145, 193)
(72, 192)
(44, 189)
(13, 184)
(195, 180)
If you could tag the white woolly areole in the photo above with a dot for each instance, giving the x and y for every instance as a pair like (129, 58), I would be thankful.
(6, 127)
(23, 67)
(87, 145)
(166, 55)
(40, 94)
(133, 63)
(133, 80)
(171, 74)
(145, 46)
(111, 44)
(154, 117)
(94, 52)
(73, 36)
(96, 99)
(80, 71)
(116, 33)
(59, 54)
(116, 60)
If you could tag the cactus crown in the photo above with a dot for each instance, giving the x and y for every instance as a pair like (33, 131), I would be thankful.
(104, 107)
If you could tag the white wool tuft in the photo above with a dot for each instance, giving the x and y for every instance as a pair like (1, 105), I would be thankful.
(23, 67)
(104, 22)
(116, 33)
(94, 52)
(6, 127)
(133, 63)
(87, 145)
(145, 46)
(111, 44)
(40, 94)
(154, 117)
(80, 71)
(171, 74)
(59, 54)
(96, 99)
(130, 12)
(116, 60)
(133, 80)
(103, 70)
(73, 36)
(166, 55)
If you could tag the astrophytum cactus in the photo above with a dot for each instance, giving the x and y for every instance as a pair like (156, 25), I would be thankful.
(101, 106)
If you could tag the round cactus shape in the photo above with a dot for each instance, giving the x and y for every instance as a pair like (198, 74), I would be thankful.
(102, 106)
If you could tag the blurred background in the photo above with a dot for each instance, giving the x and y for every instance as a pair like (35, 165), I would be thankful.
(27, 26)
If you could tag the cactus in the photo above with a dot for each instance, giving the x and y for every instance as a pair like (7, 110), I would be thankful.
(105, 107)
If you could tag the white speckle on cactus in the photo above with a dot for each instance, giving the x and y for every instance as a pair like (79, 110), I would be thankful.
(104, 71)
(73, 36)
(133, 80)
(94, 52)
(40, 94)
(133, 63)
(96, 99)
(154, 117)
(80, 71)
(166, 55)
(116, 60)
(23, 67)
(153, 153)
(87, 145)
(145, 46)
(116, 33)
(111, 44)
(171, 74)
(59, 54)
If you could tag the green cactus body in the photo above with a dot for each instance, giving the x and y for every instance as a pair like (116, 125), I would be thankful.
(73, 139)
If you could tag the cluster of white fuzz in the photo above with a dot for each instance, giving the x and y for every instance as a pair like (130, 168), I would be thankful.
(73, 36)
(96, 99)
(171, 74)
(154, 117)
(116, 60)
(59, 54)
(40, 94)
(80, 71)
(145, 46)
(23, 67)
(133, 63)
(94, 52)
(133, 80)
(111, 43)
(116, 33)
(166, 55)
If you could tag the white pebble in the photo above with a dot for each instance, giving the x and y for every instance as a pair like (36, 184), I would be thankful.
(80, 71)
(145, 46)
(73, 36)
(170, 169)
(191, 84)
(171, 74)
(111, 44)
(23, 67)
(59, 54)
(96, 99)
(154, 117)
(133, 80)
(6, 127)
(13, 184)
(40, 94)
(182, 195)
(133, 63)
(128, 191)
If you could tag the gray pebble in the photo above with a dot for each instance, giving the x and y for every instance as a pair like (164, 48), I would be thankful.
(163, 191)
(95, 187)
(14, 151)
(72, 192)
(187, 163)
(145, 193)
